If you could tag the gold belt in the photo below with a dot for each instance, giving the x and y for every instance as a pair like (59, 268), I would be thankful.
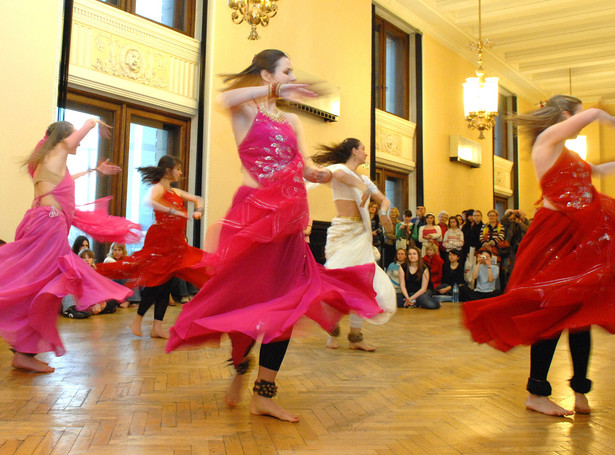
(351, 218)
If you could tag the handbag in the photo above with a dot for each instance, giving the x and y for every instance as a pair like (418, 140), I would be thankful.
(503, 247)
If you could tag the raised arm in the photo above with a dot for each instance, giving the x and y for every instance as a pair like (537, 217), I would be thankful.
(548, 145)
(77, 136)
(235, 97)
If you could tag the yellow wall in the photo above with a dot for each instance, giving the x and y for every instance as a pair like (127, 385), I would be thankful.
(334, 47)
(529, 191)
(449, 185)
(31, 36)
(607, 153)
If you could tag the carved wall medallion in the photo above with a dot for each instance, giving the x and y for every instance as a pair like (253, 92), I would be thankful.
(129, 61)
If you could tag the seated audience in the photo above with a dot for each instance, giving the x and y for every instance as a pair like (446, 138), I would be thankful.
(117, 252)
(393, 273)
(433, 260)
(452, 273)
(81, 243)
(415, 283)
(485, 274)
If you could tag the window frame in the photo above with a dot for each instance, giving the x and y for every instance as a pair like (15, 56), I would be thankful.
(384, 27)
(122, 114)
(188, 26)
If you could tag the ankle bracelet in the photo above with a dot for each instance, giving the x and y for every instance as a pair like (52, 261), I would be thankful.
(355, 337)
(265, 388)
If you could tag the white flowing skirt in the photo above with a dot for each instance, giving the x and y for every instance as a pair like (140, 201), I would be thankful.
(348, 244)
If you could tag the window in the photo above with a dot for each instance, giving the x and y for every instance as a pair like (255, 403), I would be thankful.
(394, 185)
(502, 130)
(391, 55)
(176, 14)
(139, 138)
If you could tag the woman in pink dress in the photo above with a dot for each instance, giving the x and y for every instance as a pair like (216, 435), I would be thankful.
(39, 268)
(564, 273)
(261, 237)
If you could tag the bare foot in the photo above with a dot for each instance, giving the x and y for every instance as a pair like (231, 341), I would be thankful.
(158, 331)
(581, 405)
(545, 406)
(30, 363)
(362, 346)
(135, 326)
(97, 308)
(124, 304)
(261, 406)
(332, 342)
(233, 395)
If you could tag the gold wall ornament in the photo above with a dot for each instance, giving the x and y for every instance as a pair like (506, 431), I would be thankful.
(480, 93)
(254, 12)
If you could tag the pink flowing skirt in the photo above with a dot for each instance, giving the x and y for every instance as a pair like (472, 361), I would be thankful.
(37, 270)
(261, 284)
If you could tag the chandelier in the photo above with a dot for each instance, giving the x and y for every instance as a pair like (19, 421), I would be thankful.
(480, 93)
(254, 12)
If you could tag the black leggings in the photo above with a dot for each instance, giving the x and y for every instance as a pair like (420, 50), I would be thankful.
(157, 296)
(271, 354)
(542, 355)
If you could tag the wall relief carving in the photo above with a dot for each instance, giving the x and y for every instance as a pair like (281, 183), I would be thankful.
(129, 61)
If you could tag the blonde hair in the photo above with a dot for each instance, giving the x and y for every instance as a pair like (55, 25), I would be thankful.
(431, 246)
(120, 245)
(55, 133)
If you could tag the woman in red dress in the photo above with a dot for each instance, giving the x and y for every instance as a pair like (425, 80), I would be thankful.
(563, 277)
(165, 252)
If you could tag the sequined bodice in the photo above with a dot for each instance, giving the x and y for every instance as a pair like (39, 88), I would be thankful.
(268, 149)
(172, 200)
(567, 184)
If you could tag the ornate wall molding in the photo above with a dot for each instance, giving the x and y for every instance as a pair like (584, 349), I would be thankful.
(394, 142)
(502, 177)
(130, 57)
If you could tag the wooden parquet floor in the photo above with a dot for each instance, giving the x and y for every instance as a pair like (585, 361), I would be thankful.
(427, 390)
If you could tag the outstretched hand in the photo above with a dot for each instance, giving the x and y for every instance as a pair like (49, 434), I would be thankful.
(107, 168)
(104, 129)
(296, 92)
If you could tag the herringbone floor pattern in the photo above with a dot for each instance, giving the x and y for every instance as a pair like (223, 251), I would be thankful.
(427, 390)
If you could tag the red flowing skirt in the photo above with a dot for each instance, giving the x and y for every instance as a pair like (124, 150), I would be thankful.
(563, 278)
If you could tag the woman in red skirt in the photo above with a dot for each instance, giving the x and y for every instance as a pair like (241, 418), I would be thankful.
(563, 277)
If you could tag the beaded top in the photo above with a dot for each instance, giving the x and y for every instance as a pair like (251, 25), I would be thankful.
(269, 151)
(567, 184)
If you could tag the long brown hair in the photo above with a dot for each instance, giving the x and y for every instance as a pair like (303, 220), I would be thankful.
(421, 265)
(153, 174)
(264, 60)
(55, 133)
(548, 115)
(337, 153)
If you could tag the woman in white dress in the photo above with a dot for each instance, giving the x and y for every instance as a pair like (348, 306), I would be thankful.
(349, 239)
